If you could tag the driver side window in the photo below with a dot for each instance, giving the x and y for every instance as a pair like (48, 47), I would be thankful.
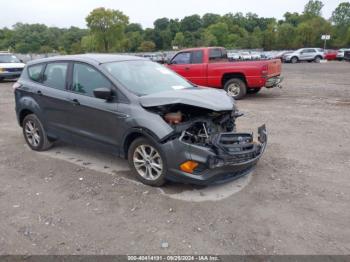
(86, 79)
(182, 58)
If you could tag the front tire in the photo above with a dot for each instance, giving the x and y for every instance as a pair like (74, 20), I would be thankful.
(317, 59)
(35, 134)
(147, 162)
(236, 88)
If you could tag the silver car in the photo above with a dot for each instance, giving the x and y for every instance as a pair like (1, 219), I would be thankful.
(305, 54)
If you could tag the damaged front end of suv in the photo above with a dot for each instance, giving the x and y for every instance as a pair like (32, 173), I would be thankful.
(203, 146)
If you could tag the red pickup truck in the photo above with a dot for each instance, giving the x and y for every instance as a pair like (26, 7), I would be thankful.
(210, 67)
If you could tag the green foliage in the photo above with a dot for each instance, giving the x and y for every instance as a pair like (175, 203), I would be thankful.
(108, 27)
(341, 15)
(179, 40)
(313, 8)
(147, 46)
(110, 31)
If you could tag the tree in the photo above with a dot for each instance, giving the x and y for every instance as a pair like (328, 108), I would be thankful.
(89, 44)
(161, 24)
(179, 40)
(292, 18)
(107, 26)
(286, 36)
(210, 19)
(133, 27)
(208, 39)
(191, 23)
(147, 46)
(341, 15)
(305, 36)
(134, 40)
(220, 32)
(313, 8)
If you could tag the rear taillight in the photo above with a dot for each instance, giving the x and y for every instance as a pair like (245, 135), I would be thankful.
(264, 70)
(17, 85)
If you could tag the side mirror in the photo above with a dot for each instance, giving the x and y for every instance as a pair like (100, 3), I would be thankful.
(103, 93)
(21, 61)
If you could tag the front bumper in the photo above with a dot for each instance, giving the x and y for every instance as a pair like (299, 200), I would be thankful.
(10, 75)
(234, 156)
(274, 82)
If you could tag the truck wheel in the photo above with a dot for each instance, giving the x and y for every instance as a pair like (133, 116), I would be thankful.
(253, 91)
(294, 60)
(317, 59)
(147, 162)
(35, 134)
(235, 88)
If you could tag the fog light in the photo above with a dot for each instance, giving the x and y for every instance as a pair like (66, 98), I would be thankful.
(188, 166)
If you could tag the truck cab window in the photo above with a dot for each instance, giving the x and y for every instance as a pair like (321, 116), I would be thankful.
(197, 57)
(182, 58)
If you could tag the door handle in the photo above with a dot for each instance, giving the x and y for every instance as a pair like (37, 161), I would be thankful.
(75, 102)
(39, 93)
(187, 68)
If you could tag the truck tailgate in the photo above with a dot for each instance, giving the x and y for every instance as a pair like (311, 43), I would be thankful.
(274, 67)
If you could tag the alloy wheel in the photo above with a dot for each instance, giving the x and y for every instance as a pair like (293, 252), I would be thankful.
(148, 162)
(32, 133)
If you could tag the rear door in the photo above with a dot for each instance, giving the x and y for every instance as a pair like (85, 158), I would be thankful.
(309, 54)
(53, 97)
(91, 118)
(190, 65)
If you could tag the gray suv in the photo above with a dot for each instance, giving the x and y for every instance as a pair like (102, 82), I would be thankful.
(304, 54)
(167, 128)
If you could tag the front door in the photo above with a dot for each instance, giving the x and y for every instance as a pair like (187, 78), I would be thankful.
(190, 65)
(93, 119)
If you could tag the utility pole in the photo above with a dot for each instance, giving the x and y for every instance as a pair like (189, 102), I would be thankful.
(325, 38)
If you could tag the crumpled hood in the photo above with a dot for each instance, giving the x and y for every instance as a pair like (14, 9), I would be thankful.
(209, 98)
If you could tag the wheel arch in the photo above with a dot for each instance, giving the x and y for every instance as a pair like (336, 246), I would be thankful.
(133, 134)
(228, 76)
(22, 114)
(27, 105)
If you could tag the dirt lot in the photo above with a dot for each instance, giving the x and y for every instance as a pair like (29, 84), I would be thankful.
(75, 201)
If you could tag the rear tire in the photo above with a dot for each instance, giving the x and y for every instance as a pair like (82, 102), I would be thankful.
(236, 88)
(35, 134)
(294, 60)
(317, 59)
(253, 91)
(147, 161)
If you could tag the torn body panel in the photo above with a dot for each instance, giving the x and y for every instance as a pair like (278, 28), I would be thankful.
(210, 139)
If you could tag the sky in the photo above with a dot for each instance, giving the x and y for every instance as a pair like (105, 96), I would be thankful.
(66, 13)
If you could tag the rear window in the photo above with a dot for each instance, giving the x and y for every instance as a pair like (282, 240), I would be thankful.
(217, 53)
(197, 57)
(34, 72)
(55, 75)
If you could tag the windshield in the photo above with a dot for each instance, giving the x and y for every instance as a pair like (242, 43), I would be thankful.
(9, 59)
(146, 77)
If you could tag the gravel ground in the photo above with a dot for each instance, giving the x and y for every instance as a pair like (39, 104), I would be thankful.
(296, 202)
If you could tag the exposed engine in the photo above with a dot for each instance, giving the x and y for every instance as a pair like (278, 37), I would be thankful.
(196, 125)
